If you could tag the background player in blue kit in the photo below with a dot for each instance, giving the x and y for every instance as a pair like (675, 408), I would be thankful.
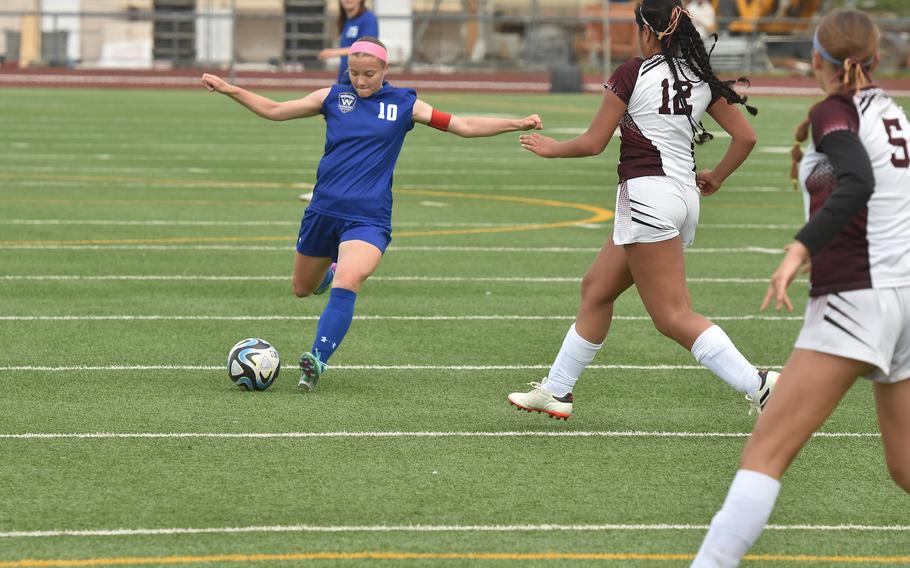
(350, 217)
(354, 21)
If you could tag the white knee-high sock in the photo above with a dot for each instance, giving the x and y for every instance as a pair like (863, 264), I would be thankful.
(738, 524)
(574, 355)
(714, 350)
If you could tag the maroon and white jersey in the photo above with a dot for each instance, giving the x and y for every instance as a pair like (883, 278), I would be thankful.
(655, 131)
(873, 250)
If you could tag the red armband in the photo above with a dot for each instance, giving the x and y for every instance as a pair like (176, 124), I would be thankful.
(440, 120)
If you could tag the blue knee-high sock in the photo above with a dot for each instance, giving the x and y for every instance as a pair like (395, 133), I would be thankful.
(334, 323)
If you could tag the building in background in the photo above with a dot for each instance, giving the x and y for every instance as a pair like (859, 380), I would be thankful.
(437, 35)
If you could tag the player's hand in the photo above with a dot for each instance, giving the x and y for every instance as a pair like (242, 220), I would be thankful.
(531, 122)
(215, 83)
(543, 146)
(797, 258)
(326, 53)
(707, 183)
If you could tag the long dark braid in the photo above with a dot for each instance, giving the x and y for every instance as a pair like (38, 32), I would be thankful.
(684, 41)
(692, 49)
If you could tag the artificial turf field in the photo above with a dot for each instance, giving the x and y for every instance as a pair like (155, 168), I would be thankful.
(143, 233)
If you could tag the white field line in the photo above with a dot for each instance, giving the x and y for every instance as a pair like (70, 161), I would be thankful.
(747, 226)
(263, 223)
(758, 189)
(176, 184)
(399, 434)
(530, 250)
(429, 529)
(438, 317)
(270, 223)
(158, 184)
(146, 223)
(196, 152)
(73, 368)
(204, 278)
(40, 134)
(310, 173)
(205, 159)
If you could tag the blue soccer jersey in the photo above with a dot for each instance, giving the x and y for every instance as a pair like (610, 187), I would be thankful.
(363, 25)
(363, 138)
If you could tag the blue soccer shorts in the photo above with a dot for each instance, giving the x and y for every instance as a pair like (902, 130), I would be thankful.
(321, 234)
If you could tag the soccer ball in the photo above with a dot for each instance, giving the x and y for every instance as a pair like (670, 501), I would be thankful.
(253, 364)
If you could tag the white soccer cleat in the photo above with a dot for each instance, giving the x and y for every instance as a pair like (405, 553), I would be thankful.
(543, 401)
(759, 398)
(308, 196)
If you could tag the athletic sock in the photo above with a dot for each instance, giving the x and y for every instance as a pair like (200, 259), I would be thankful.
(714, 350)
(738, 524)
(334, 323)
(574, 355)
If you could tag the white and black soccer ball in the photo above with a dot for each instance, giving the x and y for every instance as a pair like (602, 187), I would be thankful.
(253, 364)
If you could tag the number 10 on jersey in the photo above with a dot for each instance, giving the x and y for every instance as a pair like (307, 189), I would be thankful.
(389, 112)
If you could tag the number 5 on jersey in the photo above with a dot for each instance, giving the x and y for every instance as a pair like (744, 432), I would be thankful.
(389, 112)
(892, 125)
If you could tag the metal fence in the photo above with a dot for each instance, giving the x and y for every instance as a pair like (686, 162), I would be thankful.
(225, 38)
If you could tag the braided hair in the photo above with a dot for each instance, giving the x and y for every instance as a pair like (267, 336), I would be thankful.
(679, 38)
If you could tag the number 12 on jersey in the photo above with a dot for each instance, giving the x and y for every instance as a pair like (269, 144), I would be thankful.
(680, 102)
(389, 112)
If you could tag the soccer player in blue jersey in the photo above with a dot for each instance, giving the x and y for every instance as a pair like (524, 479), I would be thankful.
(349, 220)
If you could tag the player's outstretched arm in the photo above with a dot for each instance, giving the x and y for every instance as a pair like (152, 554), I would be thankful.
(742, 140)
(331, 52)
(591, 143)
(472, 126)
(265, 107)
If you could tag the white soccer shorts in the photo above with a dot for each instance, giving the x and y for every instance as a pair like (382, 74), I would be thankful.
(651, 209)
(870, 325)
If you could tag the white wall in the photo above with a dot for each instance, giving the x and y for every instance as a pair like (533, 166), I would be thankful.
(214, 31)
(68, 23)
(125, 45)
(395, 33)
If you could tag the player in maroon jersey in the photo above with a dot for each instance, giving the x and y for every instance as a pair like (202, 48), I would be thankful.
(855, 181)
(657, 102)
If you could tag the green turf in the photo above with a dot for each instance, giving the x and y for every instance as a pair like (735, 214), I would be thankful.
(184, 185)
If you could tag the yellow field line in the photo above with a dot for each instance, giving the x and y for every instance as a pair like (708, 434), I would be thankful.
(298, 556)
(172, 240)
(599, 215)
(165, 181)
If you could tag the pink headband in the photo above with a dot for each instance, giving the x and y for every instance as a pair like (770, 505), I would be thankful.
(370, 48)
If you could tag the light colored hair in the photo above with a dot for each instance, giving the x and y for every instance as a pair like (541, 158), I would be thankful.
(852, 37)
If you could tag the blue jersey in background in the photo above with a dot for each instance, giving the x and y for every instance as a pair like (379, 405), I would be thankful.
(355, 28)
(363, 138)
